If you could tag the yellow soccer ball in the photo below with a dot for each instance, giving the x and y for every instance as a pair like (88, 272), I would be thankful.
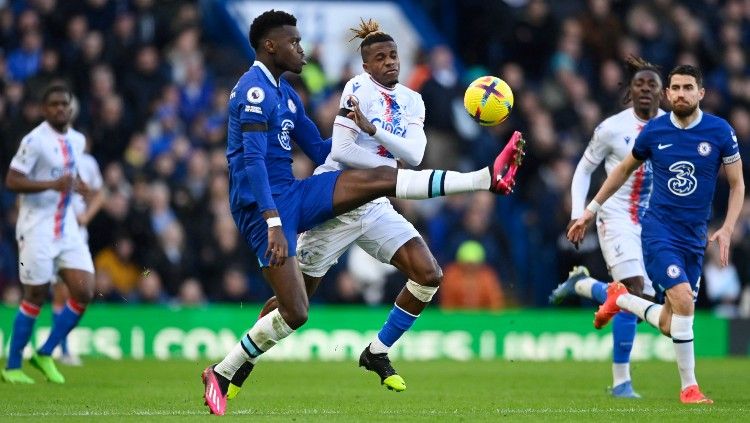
(488, 100)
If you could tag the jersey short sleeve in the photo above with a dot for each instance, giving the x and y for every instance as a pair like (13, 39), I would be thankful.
(256, 106)
(598, 148)
(354, 92)
(27, 155)
(730, 152)
(417, 118)
(642, 145)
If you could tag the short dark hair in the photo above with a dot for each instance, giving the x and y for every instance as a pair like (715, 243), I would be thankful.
(266, 22)
(56, 88)
(689, 70)
(633, 65)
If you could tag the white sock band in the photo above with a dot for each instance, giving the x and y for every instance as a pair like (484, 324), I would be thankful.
(413, 184)
(421, 184)
(684, 348)
(583, 287)
(421, 292)
(644, 309)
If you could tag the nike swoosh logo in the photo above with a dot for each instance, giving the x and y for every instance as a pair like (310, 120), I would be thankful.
(663, 146)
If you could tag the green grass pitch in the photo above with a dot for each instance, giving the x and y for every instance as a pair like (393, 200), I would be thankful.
(437, 391)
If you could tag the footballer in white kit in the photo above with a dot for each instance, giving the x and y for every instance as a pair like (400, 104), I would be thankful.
(618, 221)
(47, 230)
(376, 227)
(45, 174)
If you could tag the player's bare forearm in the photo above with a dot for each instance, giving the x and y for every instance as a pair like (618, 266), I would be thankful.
(736, 193)
(617, 178)
(20, 183)
(92, 207)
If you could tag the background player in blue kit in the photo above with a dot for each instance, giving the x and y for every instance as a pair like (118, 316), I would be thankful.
(686, 149)
(270, 207)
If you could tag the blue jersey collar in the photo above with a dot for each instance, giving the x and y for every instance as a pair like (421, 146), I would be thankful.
(267, 72)
(693, 124)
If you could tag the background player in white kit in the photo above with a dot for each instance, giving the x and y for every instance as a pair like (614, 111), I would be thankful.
(618, 222)
(45, 172)
(391, 118)
(85, 209)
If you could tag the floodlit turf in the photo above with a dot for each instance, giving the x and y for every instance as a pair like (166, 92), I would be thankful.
(444, 391)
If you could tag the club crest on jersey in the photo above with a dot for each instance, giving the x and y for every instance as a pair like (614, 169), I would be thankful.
(673, 271)
(704, 148)
(292, 106)
(255, 95)
(627, 140)
(285, 141)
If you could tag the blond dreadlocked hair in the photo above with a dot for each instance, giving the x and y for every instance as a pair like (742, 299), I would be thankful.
(370, 33)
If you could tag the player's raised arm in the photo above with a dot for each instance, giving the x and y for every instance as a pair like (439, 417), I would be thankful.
(344, 148)
(410, 147)
(613, 182)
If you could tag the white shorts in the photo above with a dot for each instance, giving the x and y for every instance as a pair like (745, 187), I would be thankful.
(39, 259)
(375, 227)
(620, 241)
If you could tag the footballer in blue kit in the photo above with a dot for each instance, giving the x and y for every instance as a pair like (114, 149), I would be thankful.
(686, 163)
(686, 149)
(260, 171)
(270, 207)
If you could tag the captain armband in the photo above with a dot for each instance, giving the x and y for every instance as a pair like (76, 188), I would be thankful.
(731, 159)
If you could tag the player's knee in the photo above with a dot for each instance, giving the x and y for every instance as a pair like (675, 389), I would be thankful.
(35, 294)
(432, 276)
(295, 317)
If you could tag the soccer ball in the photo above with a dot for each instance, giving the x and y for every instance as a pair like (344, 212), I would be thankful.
(488, 100)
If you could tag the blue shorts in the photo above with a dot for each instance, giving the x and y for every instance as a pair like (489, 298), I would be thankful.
(668, 265)
(305, 204)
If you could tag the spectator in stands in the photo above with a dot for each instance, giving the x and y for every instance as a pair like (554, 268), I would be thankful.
(469, 283)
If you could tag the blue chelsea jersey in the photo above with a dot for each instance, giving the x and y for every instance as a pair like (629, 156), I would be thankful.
(260, 161)
(686, 163)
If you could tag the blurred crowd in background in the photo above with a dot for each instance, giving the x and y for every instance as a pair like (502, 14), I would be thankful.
(152, 87)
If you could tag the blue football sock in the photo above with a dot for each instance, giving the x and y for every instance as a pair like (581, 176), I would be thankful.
(23, 325)
(399, 321)
(64, 343)
(623, 334)
(599, 292)
(69, 317)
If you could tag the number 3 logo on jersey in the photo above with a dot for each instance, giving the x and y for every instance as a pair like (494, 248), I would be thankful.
(683, 183)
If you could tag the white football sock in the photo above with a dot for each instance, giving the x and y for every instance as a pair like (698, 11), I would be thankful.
(583, 287)
(378, 347)
(267, 332)
(620, 373)
(682, 337)
(421, 184)
(644, 309)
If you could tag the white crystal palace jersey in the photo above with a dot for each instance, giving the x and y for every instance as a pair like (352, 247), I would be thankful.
(44, 155)
(389, 109)
(612, 141)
